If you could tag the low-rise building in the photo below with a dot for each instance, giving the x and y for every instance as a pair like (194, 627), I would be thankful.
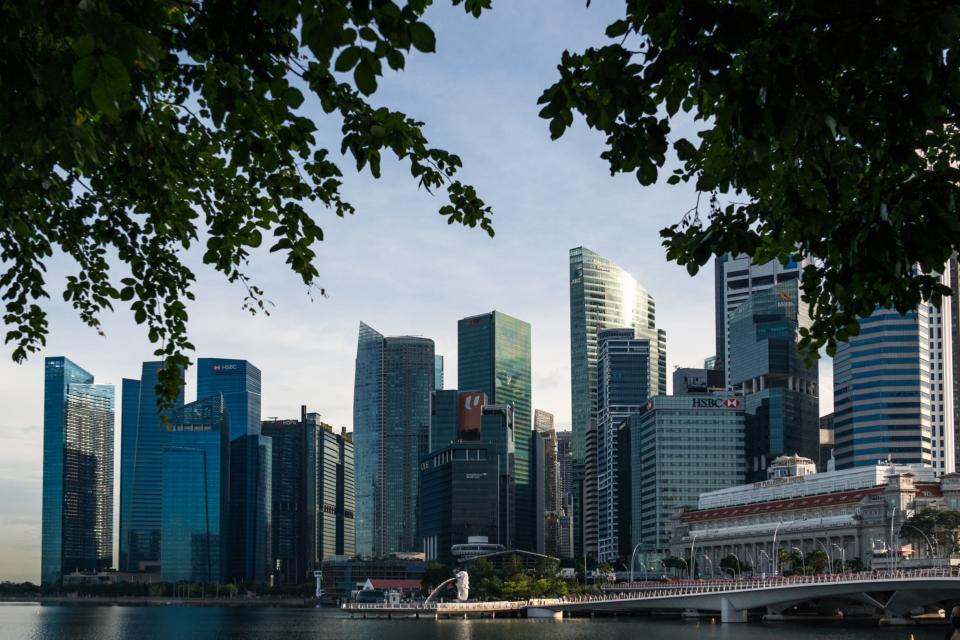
(851, 515)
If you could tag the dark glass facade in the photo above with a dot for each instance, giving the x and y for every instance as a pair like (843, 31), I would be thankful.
(623, 386)
(459, 497)
(313, 496)
(443, 419)
(393, 384)
(195, 470)
(238, 382)
(494, 357)
(77, 509)
(780, 391)
(143, 438)
(251, 508)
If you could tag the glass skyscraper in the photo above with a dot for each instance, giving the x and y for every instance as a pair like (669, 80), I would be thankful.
(736, 279)
(438, 372)
(394, 378)
(780, 390)
(193, 514)
(893, 391)
(494, 357)
(238, 381)
(142, 440)
(77, 509)
(602, 296)
(676, 449)
(313, 495)
(623, 386)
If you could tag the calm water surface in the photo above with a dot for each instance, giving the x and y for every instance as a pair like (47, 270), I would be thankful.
(33, 622)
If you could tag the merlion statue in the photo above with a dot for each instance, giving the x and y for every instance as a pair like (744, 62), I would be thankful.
(463, 586)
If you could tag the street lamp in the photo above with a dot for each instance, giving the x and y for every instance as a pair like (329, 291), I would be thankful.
(739, 567)
(843, 555)
(764, 554)
(826, 550)
(775, 554)
(929, 544)
(693, 558)
(632, 558)
(803, 561)
(707, 558)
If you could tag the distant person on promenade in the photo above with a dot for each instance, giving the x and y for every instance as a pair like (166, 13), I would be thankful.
(954, 632)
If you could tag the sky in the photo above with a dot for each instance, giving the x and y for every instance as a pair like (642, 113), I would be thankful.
(396, 264)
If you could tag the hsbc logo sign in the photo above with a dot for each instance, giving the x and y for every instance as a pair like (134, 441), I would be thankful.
(716, 403)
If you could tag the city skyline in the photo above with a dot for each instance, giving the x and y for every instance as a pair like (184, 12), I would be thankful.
(373, 265)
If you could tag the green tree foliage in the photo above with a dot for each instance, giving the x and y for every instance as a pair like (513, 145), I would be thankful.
(818, 561)
(133, 130)
(941, 526)
(731, 563)
(827, 130)
(434, 575)
(514, 582)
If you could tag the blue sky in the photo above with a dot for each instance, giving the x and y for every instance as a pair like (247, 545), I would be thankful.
(397, 265)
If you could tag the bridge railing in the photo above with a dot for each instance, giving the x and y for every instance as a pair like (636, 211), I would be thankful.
(775, 580)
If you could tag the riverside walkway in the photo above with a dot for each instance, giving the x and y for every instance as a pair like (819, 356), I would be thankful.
(895, 593)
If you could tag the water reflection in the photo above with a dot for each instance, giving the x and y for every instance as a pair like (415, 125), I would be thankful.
(33, 622)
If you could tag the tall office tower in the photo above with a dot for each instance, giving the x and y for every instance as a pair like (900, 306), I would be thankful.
(603, 296)
(438, 372)
(623, 386)
(142, 438)
(497, 428)
(313, 495)
(687, 380)
(565, 481)
(444, 417)
(676, 449)
(780, 391)
(953, 268)
(552, 506)
(494, 357)
(195, 467)
(391, 429)
(238, 381)
(77, 509)
(736, 280)
(251, 508)
(897, 363)
(459, 491)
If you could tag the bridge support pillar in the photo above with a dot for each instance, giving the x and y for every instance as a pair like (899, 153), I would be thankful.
(540, 612)
(729, 613)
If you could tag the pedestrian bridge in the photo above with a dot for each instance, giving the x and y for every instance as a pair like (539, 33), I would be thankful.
(895, 593)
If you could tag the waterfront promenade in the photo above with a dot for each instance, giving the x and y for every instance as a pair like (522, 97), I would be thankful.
(893, 593)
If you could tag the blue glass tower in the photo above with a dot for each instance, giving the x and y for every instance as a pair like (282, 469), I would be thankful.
(142, 439)
(238, 381)
(391, 408)
(623, 387)
(195, 466)
(779, 389)
(77, 511)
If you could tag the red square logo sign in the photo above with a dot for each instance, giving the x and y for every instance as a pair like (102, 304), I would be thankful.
(731, 403)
